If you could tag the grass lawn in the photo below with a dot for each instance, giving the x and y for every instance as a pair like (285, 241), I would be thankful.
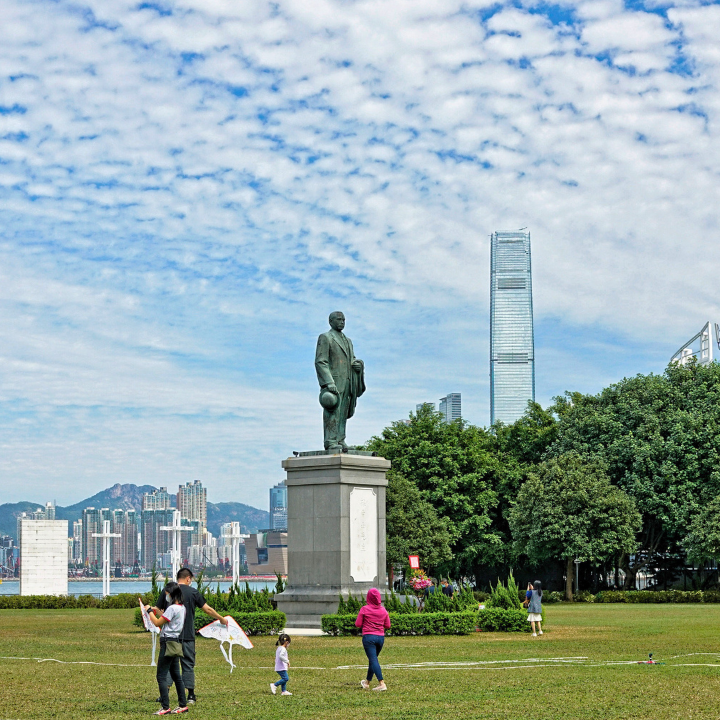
(512, 688)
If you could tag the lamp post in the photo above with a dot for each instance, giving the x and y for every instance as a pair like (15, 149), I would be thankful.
(577, 575)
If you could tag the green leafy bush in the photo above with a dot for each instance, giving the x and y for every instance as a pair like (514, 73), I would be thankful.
(261, 623)
(658, 596)
(436, 623)
(253, 623)
(584, 596)
(549, 598)
(505, 597)
(70, 602)
(497, 619)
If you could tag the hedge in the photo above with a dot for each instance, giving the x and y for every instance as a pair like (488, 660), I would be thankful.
(437, 623)
(658, 596)
(70, 602)
(259, 623)
(502, 620)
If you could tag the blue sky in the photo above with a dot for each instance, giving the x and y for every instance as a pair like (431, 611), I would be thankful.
(189, 188)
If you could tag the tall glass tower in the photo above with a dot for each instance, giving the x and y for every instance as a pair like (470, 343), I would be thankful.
(512, 344)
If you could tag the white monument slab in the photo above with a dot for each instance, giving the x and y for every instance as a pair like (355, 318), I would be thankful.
(363, 534)
(43, 557)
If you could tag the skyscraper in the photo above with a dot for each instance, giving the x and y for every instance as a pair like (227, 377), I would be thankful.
(278, 507)
(92, 522)
(512, 342)
(192, 502)
(450, 407)
(158, 499)
(155, 541)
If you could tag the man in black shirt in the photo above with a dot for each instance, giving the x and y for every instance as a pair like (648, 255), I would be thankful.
(447, 588)
(192, 600)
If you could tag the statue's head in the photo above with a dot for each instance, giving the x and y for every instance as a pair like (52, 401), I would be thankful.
(337, 320)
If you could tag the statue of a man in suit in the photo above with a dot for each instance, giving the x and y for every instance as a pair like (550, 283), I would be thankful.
(342, 381)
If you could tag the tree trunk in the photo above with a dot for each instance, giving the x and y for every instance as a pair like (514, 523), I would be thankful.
(569, 577)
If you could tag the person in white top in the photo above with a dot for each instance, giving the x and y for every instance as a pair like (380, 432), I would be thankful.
(282, 663)
(171, 623)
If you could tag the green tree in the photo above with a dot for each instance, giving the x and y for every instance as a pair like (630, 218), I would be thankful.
(456, 469)
(568, 509)
(703, 539)
(659, 438)
(413, 526)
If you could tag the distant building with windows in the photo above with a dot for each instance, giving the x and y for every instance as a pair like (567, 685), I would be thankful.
(512, 341)
(278, 506)
(451, 407)
(420, 406)
(703, 347)
(192, 502)
(267, 552)
(158, 499)
(92, 523)
(155, 543)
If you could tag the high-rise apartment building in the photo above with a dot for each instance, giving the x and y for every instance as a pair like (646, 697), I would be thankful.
(450, 407)
(77, 542)
(278, 506)
(192, 502)
(154, 541)
(124, 548)
(512, 342)
(92, 523)
(158, 499)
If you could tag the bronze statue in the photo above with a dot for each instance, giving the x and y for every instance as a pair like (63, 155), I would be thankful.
(342, 381)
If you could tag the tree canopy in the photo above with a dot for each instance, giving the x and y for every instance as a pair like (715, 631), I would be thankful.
(568, 509)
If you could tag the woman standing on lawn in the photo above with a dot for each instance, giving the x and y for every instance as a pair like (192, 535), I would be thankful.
(535, 608)
(373, 618)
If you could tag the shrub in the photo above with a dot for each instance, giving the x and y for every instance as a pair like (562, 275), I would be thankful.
(253, 623)
(496, 619)
(505, 597)
(657, 596)
(70, 602)
(480, 595)
(584, 596)
(435, 623)
(549, 598)
(261, 623)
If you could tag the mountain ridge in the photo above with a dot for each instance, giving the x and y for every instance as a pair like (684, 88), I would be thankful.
(128, 496)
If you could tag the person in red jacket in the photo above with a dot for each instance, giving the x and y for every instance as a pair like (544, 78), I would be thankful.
(373, 618)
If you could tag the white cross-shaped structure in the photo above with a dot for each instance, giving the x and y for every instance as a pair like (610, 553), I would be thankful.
(176, 528)
(106, 535)
(235, 537)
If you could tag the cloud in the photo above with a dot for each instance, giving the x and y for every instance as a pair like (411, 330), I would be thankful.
(189, 187)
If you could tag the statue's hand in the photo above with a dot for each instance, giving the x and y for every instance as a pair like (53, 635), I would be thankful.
(357, 366)
(331, 387)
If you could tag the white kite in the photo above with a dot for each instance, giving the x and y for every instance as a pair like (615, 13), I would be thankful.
(232, 634)
(154, 629)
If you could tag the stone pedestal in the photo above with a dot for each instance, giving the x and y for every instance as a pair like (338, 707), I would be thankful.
(336, 533)
(43, 557)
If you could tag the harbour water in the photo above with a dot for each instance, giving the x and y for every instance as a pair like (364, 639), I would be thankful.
(138, 587)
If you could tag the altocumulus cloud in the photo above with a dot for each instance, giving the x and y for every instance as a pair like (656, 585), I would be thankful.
(189, 187)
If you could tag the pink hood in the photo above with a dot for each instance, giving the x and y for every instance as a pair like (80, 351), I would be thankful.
(373, 618)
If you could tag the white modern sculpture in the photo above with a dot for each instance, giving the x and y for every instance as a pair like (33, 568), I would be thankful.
(106, 535)
(235, 537)
(176, 528)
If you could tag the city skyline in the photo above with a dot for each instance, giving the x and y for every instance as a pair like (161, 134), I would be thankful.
(183, 209)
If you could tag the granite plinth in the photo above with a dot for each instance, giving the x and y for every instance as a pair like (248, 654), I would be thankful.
(336, 533)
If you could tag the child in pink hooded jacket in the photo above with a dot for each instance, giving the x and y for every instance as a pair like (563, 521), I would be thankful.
(373, 618)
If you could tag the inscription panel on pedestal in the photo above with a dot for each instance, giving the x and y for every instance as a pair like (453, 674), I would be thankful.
(363, 534)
